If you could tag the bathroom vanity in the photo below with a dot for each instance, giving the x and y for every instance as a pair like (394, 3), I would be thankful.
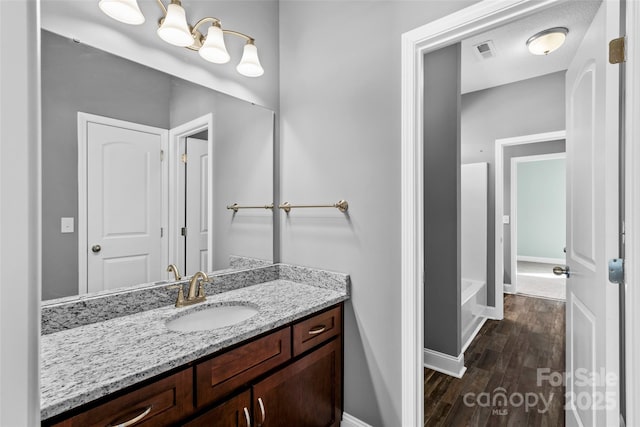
(280, 367)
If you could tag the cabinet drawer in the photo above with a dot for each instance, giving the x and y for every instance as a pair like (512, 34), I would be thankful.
(159, 404)
(222, 374)
(316, 330)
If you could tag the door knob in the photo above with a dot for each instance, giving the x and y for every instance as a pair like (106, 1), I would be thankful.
(559, 271)
(96, 248)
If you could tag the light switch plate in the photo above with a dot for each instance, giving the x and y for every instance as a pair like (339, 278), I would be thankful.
(505, 219)
(66, 225)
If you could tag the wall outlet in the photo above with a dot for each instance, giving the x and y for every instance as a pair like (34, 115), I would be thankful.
(66, 225)
(505, 219)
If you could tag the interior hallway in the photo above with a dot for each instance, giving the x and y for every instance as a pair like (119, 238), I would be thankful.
(507, 354)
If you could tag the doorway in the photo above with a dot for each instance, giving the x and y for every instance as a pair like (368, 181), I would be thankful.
(195, 191)
(506, 149)
(121, 188)
(538, 225)
(191, 215)
(439, 34)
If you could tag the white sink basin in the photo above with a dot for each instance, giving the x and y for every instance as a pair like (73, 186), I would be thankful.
(211, 317)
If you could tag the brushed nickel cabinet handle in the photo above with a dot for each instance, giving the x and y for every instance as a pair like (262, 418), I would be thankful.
(135, 419)
(263, 412)
(317, 329)
(246, 416)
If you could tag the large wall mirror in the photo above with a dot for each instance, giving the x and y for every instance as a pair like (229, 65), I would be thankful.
(138, 168)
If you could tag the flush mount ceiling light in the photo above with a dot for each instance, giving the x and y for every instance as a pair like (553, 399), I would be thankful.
(174, 29)
(547, 41)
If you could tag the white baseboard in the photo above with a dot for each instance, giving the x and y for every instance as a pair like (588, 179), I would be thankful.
(473, 335)
(492, 313)
(351, 421)
(444, 363)
(541, 259)
(508, 288)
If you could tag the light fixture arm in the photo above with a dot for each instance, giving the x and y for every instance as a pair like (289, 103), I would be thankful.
(250, 40)
(162, 7)
(214, 21)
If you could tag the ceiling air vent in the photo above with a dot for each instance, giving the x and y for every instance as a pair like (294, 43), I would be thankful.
(485, 50)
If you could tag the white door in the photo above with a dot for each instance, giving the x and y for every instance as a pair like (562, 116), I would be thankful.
(124, 205)
(197, 214)
(592, 226)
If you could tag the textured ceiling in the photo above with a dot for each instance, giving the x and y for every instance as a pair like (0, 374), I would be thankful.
(513, 62)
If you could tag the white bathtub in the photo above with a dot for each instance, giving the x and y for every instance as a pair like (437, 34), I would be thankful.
(474, 302)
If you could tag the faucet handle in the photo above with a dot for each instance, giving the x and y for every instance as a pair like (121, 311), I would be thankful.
(201, 289)
(180, 300)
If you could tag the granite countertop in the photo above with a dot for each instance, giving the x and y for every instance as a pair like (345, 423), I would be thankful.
(87, 362)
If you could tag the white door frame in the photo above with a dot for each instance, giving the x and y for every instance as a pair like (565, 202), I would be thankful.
(497, 312)
(440, 33)
(632, 209)
(513, 213)
(177, 137)
(20, 214)
(83, 122)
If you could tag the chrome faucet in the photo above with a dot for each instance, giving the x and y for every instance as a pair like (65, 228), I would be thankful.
(192, 298)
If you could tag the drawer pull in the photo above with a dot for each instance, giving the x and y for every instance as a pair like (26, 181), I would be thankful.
(317, 329)
(263, 412)
(246, 416)
(135, 419)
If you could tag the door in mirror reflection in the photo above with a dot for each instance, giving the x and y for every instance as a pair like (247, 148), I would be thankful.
(121, 234)
(196, 204)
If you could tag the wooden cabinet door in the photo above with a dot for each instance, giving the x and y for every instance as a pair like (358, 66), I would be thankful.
(234, 412)
(305, 393)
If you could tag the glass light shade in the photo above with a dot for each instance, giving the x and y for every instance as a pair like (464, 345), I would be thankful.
(213, 49)
(547, 41)
(174, 29)
(250, 64)
(126, 11)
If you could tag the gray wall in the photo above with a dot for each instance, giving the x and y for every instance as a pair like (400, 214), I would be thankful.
(243, 168)
(442, 200)
(258, 18)
(104, 84)
(509, 153)
(97, 83)
(522, 108)
(340, 138)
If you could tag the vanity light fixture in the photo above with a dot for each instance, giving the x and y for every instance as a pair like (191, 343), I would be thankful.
(174, 29)
(547, 41)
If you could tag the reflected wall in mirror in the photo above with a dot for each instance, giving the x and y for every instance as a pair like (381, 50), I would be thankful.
(125, 179)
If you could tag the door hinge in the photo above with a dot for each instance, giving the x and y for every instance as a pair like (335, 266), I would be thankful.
(617, 51)
(183, 231)
(162, 155)
(183, 158)
(616, 270)
(161, 232)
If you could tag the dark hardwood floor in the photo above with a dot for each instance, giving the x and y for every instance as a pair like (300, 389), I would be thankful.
(501, 386)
